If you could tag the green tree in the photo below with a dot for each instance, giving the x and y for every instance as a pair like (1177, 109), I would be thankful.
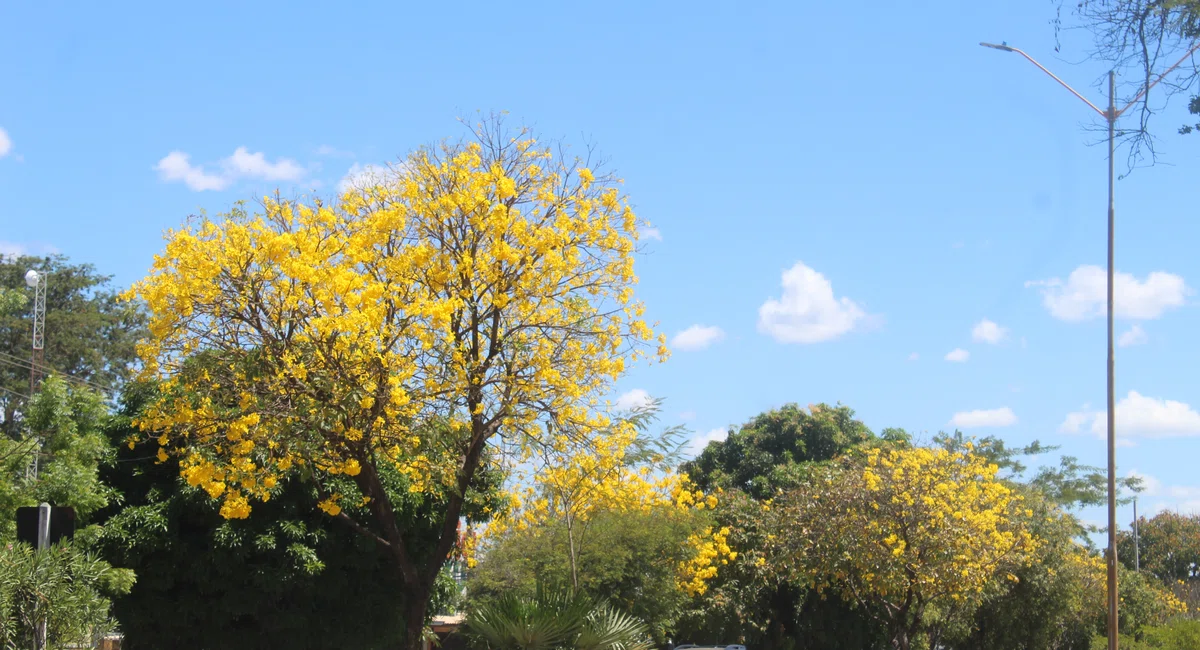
(1168, 546)
(63, 431)
(90, 335)
(626, 557)
(64, 587)
(1055, 599)
(10, 301)
(913, 535)
(768, 452)
(283, 578)
(68, 587)
(753, 601)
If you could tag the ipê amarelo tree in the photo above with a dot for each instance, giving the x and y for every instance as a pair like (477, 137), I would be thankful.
(485, 285)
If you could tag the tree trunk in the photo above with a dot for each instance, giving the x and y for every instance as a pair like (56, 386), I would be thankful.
(571, 550)
(415, 608)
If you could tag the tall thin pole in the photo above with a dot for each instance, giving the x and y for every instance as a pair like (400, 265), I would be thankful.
(1137, 541)
(1112, 415)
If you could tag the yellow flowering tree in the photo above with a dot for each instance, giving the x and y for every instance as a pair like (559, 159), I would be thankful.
(486, 285)
(913, 535)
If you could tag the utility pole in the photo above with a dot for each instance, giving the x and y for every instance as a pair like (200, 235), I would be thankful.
(1110, 116)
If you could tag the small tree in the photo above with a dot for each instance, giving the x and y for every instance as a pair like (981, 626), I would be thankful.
(484, 285)
(913, 535)
(90, 334)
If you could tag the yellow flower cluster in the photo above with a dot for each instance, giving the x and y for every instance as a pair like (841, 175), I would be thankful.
(712, 550)
(491, 283)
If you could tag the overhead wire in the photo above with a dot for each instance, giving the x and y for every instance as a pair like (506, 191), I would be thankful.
(26, 364)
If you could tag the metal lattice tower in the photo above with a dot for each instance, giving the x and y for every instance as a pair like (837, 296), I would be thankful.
(39, 343)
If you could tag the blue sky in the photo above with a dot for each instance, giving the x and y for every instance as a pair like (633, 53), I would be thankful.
(913, 183)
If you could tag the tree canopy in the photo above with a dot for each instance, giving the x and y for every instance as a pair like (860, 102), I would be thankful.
(766, 453)
(486, 285)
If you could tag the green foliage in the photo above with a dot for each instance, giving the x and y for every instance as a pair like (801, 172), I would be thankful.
(767, 453)
(1055, 599)
(1168, 546)
(64, 587)
(63, 430)
(10, 301)
(290, 576)
(554, 620)
(757, 603)
(89, 333)
(1179, 634)
(753, 601)
(628, 558)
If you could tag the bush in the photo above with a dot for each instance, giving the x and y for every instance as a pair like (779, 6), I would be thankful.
(63, 587)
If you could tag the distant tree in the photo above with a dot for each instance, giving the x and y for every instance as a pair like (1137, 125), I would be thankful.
(628, 558)
(1168, 546)
(756, 600)
(1054, 601)
(63, 430)
(90, 334)
(911, 535)
(765, 454)
(10, 301)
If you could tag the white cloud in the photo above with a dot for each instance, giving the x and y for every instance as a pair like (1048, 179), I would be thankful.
(697, 337)
(914, 356)
(988, 332)
(328, 150)
(1182, 498)
(1135, 336)
(633, 400)
(255, 165)
(5, 143)
(1001, 417)
(700, 442)
(650, 233)
(808, 312)
(361, 176)
(1085, 294)
(1138, 416)
(958, 355)
(177, 167)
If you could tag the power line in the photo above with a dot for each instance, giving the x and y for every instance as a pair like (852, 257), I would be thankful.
(15, 393)
(26, 364)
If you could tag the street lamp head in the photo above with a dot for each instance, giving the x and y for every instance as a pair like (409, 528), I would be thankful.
(1003, 47)
(31, 278)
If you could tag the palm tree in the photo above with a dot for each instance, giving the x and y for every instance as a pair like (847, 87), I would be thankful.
(555, 621)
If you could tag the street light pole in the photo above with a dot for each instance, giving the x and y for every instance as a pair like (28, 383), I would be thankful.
(1109, 116)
